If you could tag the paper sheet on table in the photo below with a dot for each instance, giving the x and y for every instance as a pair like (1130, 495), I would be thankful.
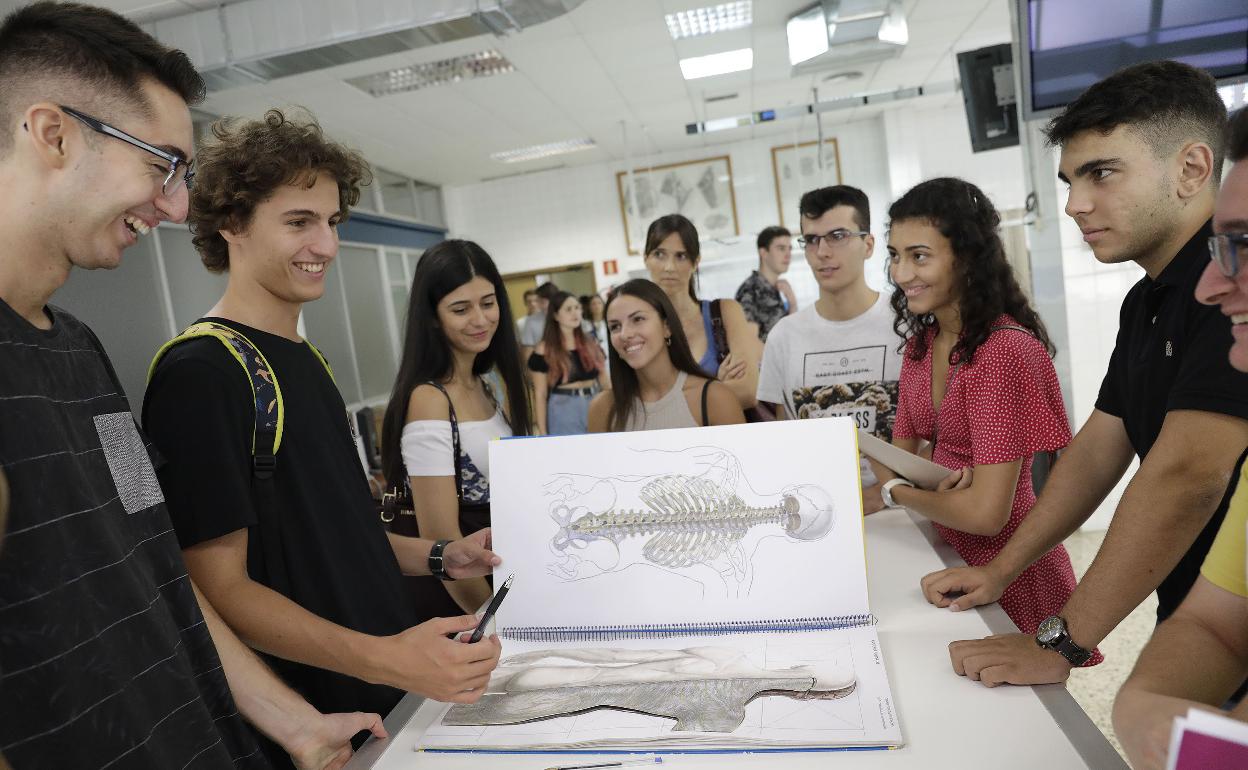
(924, 473)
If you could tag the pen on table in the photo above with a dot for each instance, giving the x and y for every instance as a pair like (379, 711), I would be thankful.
(619, 763)
(488, 615)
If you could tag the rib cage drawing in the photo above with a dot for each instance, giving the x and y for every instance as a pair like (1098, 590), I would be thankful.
(679, 521)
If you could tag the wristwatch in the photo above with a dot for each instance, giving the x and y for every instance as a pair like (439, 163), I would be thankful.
(1052, 635)
(886, 491)
(437, 565)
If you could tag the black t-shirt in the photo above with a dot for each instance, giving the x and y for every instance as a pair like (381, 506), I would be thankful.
(575, 373)
(105, 660)
(338, 563)
(1171, 353)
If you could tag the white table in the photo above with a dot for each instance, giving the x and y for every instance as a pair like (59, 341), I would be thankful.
(948, 721)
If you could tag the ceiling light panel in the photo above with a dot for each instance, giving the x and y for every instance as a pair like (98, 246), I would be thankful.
(711, 19)
(717, 63)
(543, 150)
(434, 73)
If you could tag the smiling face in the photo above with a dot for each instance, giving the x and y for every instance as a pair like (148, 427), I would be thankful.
(291, 241)
(569, 314)
(921, 263)
(110, 195)
(469, 316)
(638, 333)
(1231, 294)
(1121, 194)
(837, 266)
(671, 266)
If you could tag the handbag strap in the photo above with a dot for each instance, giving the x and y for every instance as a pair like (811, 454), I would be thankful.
(459, 479)
(705, 387)
(720, 333)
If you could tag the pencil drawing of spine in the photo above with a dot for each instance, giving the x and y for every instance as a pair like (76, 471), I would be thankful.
(688, 520)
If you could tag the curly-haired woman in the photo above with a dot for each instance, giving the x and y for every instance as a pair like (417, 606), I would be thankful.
(977, 382)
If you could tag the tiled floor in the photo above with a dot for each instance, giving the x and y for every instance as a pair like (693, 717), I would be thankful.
(1094, 688)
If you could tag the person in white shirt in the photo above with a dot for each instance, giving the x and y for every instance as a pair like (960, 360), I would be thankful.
(839, 356)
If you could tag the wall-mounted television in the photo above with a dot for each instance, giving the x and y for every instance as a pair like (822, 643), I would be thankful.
(1067, 45)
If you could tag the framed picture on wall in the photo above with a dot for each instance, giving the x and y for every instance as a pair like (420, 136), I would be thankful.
(699, 189)
(796, 170)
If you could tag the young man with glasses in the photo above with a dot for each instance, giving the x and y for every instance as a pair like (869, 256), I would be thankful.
(838, 357)
(109, 655)
(1141, 152)
(300, 567)
(1200, 654)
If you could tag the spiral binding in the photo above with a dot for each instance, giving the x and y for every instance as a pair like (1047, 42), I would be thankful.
(608, 633)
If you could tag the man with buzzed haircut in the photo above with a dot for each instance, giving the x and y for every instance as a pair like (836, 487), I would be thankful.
(1141, 152)
(106, 659)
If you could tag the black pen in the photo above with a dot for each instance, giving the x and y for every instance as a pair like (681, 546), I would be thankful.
(490, 610)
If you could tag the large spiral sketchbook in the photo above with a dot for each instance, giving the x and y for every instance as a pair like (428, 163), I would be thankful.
(682, 590)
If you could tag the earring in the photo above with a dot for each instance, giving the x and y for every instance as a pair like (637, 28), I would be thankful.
(669, 341)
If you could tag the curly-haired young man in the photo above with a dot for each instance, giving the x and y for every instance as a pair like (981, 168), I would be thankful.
(1141, 152)
(110, 656)
(302, 569)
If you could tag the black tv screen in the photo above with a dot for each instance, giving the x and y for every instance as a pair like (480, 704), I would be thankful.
(1070, 44)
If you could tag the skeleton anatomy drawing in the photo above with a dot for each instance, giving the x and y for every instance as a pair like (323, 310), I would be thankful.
(702, 688)
(693, 511)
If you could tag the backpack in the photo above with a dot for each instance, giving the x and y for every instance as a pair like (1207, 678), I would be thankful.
(266, 437)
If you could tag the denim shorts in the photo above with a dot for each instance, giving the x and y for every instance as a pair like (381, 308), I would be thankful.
(567, 414)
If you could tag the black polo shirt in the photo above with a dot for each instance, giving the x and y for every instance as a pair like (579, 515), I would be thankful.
(1171, 353)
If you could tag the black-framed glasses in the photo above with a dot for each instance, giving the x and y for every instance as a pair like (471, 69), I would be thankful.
(181, 170)
(838, 237)
(1226, 249)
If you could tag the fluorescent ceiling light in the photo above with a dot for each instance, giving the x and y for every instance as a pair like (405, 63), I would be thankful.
(713, 18)
(543, 150)
(717, 63)
(434, 73)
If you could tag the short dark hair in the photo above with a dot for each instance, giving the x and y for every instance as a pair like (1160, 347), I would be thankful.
(1237, 135)
(248, 161)
(769, 234)
(547, 291)
(99, 58)
(816, 203)
(530, 293)
(1166, 102)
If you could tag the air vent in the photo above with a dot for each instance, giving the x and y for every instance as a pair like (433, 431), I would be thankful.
(434, 73)
(720, 98)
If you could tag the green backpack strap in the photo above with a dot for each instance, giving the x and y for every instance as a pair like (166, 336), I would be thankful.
(266, 437)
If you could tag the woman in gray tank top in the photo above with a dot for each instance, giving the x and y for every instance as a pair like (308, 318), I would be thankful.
(655, 382)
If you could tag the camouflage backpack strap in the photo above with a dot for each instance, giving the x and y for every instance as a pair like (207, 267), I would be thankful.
(266, 436)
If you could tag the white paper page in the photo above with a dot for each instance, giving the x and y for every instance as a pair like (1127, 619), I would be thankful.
(764, 566)
(1217, 725)
(925, 473)
(865, 717)
(1176, 740)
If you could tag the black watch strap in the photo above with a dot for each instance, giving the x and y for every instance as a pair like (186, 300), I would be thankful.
(1071, 651)
(437, 565)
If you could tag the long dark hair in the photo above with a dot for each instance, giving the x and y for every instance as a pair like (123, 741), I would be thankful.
(427, 355)
(557, 357)
(679, 224)
(964, 215)
(625, 387)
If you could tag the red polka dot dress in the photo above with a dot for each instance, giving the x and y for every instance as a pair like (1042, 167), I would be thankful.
(1004, 405)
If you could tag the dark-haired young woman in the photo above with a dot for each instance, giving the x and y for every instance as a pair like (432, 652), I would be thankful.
(443, 413)
(655, 381)
(567, 369)
(721, 339)
(977, 381)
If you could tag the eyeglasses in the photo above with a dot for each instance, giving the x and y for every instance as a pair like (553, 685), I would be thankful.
(180, 169)
(1224, 250)
(836, 238)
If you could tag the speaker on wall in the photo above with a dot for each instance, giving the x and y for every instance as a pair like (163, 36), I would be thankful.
(987, 78)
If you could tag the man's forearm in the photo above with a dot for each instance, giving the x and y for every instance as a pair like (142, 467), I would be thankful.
(412, 553)
(262, 698)
(272, 623)
(1085, 473)
(1186, 659)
